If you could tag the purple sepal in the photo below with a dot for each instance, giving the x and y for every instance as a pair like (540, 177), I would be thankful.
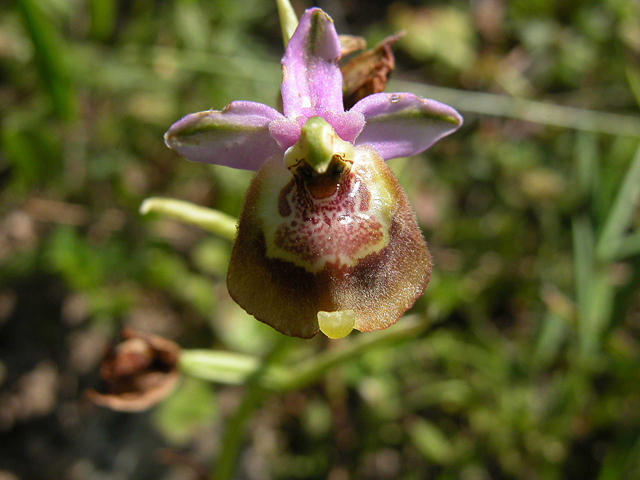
(285, 132)
(347, 125)
(403, 124)
(311, 78)
(237, 136)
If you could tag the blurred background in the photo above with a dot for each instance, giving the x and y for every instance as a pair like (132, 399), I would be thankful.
(529, 368)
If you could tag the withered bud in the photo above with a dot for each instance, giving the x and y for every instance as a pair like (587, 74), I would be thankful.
(137, 373)
(351, 43)
(367, 72)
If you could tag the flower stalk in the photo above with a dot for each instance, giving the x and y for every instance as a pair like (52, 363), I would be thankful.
(208, 219)
(288, 20)
(235, 368)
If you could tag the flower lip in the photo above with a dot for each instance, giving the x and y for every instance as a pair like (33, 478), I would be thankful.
(295, 256)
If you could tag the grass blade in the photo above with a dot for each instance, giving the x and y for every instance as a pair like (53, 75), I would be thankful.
(50, 58)
(620, 215)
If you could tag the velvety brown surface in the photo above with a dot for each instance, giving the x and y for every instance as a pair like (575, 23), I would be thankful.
(380, 287)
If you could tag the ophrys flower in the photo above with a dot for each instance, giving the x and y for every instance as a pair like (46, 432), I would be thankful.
(325, 226)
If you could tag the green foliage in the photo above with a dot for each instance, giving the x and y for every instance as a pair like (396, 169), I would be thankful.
(50, 55)
(188, 409)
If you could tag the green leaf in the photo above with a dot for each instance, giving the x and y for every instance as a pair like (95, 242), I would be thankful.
(552, 334)
(613, 237)
(191, 407)
(50, 58)
(103, 18)
(633, 77)
(587, 163)
(431, 442)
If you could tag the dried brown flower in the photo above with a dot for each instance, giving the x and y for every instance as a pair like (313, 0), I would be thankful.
(137, 373)
(367, 72)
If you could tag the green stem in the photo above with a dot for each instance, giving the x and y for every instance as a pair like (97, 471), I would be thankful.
(103, 18)
(288, 20)
(212, 220)
(232, 368)
(234, 432)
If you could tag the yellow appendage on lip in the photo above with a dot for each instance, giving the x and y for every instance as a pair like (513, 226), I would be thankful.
(337, 324)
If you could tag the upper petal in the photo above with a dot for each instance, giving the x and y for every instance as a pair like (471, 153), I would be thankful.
(403, 124)
(285, 131)
(347, 125)
(311, 79)
(237, 136)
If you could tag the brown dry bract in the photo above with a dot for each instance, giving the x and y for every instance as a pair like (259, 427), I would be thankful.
(137, 373)
(367, 72)
(350, 44)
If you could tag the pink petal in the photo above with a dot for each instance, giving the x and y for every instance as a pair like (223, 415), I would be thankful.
(347, 125)
(311, 79)
(403, 124)
(285, 131)
(237, 136)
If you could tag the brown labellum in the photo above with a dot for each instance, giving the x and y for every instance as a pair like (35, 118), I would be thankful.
(137, 373)
(367, 72)
(342, 239)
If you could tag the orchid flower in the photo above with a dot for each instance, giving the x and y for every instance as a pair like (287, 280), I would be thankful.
(326, 231)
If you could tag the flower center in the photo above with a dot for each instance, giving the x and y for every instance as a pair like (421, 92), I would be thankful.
(331, 211)
(320, 160)
(317, 147)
